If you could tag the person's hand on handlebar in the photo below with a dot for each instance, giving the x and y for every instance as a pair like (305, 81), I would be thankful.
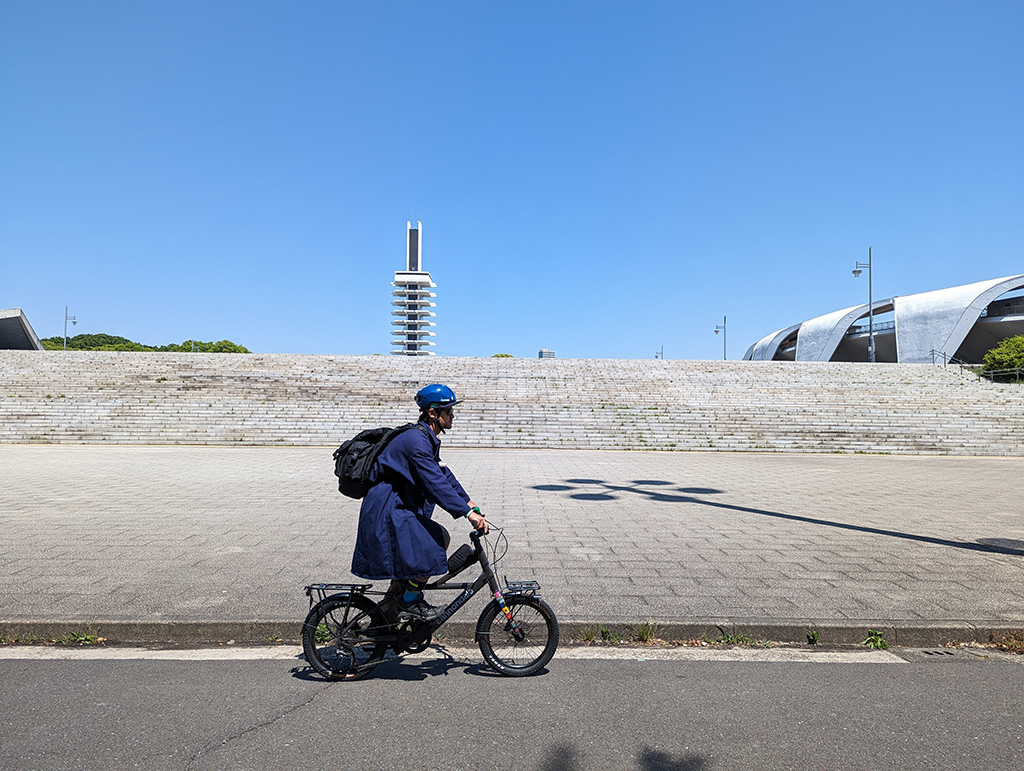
(476, 519)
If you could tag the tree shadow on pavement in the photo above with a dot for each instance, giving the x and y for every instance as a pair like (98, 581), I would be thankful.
(607, 491)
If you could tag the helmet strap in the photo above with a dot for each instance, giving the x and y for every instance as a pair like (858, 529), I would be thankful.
(434, 422)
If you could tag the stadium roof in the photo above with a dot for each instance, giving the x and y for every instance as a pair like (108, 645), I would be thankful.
(16, 333)
(964, 322)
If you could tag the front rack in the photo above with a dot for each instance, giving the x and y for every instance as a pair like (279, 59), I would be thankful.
(522, 587)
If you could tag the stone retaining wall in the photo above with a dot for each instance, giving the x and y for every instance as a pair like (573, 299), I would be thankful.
(268, 399)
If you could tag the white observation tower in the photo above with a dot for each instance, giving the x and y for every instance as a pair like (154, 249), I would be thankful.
(412, 297)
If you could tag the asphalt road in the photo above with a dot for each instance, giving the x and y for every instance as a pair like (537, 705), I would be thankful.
(910, 710)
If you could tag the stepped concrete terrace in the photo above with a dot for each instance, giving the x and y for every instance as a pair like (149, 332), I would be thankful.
(305, 400)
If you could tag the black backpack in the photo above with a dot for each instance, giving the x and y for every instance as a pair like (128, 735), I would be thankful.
(354, 460)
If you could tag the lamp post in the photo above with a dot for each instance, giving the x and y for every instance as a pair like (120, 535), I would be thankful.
(724, 336)
(871, 311)
(660, 354)
(73, 321)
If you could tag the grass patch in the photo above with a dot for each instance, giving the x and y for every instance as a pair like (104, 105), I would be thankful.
(75, 637)
(645, 633)
(1011, 643)
(610, 636)
(7, 638)
(605, 635)
(322, 633)
(725, 638)
(876, 641)
(81, 637)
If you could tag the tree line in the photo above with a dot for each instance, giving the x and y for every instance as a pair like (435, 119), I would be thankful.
(102, 342)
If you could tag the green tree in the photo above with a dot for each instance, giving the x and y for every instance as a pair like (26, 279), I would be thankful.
(222, 346)
(1009, 354)
(102, 342)
(503, 356)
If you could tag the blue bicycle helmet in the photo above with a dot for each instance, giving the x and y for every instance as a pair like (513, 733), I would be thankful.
(436, 395)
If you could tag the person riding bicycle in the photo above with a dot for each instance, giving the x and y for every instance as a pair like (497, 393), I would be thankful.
(397, 537)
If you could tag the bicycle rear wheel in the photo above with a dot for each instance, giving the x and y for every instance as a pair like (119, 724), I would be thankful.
(525, 653)
(340, 637)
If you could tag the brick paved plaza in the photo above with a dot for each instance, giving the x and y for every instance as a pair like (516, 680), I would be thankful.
(195, 534)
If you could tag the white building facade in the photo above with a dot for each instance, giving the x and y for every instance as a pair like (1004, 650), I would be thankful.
(412, 294)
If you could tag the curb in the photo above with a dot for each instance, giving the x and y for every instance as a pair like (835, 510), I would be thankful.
(905, 634)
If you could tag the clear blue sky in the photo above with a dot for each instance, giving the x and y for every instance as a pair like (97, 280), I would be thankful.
(598, 178)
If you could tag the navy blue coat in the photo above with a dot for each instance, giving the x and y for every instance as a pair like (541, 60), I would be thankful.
(397, 537)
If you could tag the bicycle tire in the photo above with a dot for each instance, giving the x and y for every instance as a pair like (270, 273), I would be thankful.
(502, 651)
(339, 637)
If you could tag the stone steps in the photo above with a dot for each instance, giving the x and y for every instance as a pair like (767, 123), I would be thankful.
(262, 399)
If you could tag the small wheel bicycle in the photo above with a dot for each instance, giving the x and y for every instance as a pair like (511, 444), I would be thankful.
(347, 634)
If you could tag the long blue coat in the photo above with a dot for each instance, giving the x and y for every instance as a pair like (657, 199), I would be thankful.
(397, 537)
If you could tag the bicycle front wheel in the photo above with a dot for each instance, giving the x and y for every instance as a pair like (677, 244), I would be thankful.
(340, 637)
(522, 650)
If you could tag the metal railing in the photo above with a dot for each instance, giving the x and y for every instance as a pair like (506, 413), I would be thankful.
(863, 328)
(946, 360)
(1004, 309)
(1001, 375)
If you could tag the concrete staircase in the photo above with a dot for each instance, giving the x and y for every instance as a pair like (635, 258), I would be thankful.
(258, 399)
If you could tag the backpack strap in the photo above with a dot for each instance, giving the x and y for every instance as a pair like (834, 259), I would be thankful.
(408, 427)
(430, 437)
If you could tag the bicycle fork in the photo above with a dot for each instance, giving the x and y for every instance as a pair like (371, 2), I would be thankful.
(492, 581)
(516, 631)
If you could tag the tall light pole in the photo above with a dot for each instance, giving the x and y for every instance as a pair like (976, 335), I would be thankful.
(871, 311)
(721, 327)
(73, 321)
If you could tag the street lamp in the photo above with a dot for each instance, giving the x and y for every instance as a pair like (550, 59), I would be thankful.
(660, 354)
(721, 327)
(73, 321)
(858, 269)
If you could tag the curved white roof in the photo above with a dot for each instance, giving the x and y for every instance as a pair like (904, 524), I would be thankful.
(940, 320)
(928, 322)
(819, 337)
(766, 348)
(16, 333)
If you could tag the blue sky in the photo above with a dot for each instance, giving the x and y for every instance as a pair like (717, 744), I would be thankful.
(602, 179)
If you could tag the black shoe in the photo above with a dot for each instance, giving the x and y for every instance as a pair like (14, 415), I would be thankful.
(417, 610)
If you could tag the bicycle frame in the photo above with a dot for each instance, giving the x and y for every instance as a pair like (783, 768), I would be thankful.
(418, 636)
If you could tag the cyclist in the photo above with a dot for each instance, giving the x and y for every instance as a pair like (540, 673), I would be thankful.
(397, 537)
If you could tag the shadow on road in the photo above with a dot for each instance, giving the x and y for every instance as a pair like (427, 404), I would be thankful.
(565, 757)
(398, 668)
(653, 490)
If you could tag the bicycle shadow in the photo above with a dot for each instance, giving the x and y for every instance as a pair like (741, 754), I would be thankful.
(402, 669)
(606, 491)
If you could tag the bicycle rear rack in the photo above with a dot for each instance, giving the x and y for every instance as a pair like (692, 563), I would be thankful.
(324, 590)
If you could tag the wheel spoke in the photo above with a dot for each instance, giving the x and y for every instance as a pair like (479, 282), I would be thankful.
(525, 647)
(340, 637)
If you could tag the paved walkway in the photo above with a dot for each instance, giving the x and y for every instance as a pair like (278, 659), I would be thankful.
(152, 542)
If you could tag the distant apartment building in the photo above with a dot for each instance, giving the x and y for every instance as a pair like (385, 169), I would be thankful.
(412, 296)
